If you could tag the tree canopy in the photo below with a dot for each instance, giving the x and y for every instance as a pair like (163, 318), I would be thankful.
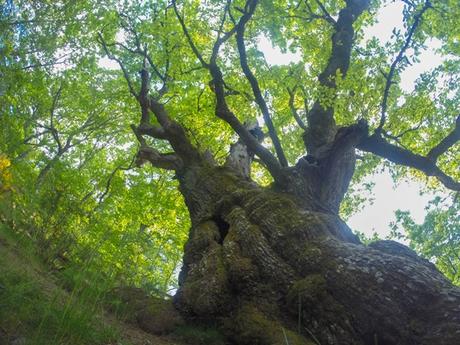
(91, 90)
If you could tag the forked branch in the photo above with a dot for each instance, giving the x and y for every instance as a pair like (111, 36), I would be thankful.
(321, 123)
(168, 129)
(222, 109)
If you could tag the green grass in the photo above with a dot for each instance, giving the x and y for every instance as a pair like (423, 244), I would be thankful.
(35, 311)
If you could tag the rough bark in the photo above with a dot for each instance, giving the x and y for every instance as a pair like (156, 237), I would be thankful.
(277, 265)
(268, 268)
(240, 157)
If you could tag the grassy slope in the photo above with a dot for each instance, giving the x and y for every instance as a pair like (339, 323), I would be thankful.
(35, 310)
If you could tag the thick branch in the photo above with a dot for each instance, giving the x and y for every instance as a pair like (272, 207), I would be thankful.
(321, 123)
(143, 97)
(254, 83)
(168, 161)
(173, 132)
(398, 155)
(223, 112)
(222, 109)
(152, 131)
(342, 41)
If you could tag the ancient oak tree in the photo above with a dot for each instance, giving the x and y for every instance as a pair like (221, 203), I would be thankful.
(264, 155)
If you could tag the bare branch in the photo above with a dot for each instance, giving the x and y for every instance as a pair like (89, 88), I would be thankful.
(230, 91)
(52, 128)
(109, 181)
(327, 16)
(390, 75)
(128, 26)
(403, 133)
(170, 130)
(143, 53)
(222, 109)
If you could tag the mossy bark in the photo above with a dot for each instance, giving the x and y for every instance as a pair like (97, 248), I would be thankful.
(271, 269)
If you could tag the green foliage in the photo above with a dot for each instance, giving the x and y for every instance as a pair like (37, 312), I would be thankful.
(67, 179)
(437, 238)
(368, 239)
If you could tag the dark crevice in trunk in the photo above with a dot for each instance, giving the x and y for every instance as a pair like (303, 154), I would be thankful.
(222, 226)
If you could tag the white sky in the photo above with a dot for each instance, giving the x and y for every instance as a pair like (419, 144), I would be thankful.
(388, 198)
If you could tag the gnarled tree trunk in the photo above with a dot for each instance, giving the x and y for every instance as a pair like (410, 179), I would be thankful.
(278, 266)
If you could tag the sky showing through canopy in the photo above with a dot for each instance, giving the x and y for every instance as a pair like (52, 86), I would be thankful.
(386, 196)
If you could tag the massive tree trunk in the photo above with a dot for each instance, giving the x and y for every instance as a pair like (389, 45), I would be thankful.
(278, 266)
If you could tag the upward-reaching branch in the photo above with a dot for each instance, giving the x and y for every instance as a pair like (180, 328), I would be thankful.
(185, 152)
(52, 128)
(189, 38)
(321, 124)
(222, 109)
(389, 77)
(294, 110)
(120, 63)
(143, 97)
(327, 16)
(254, 83)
